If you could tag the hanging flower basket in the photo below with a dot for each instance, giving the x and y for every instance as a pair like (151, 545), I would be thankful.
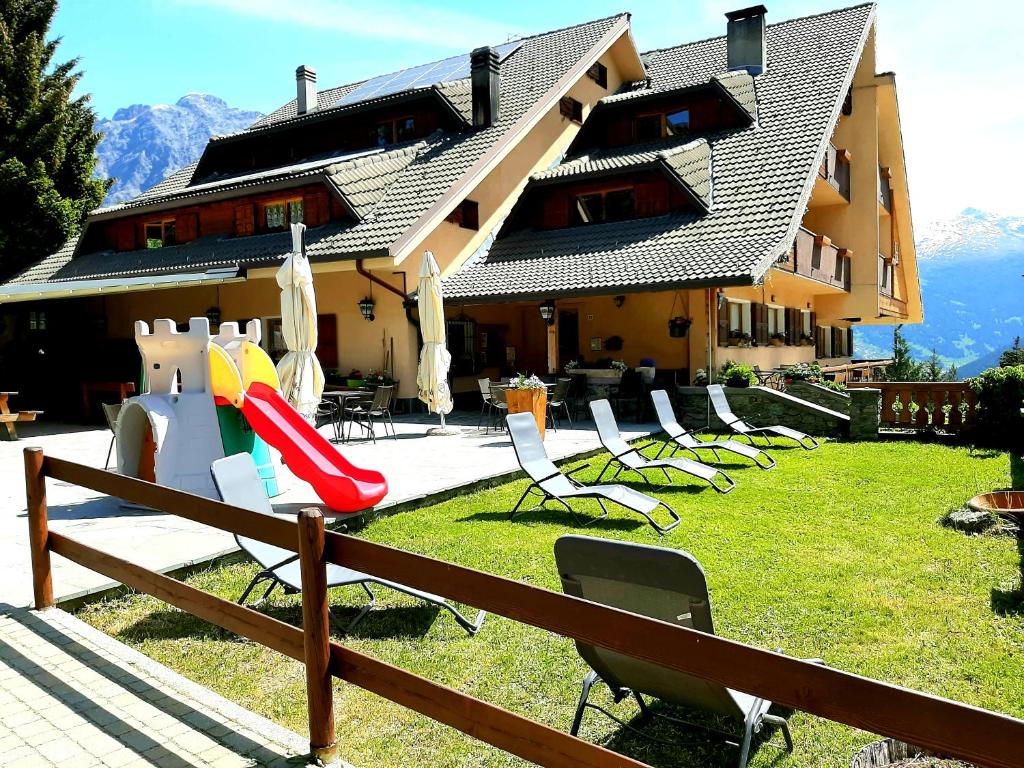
(679, 326)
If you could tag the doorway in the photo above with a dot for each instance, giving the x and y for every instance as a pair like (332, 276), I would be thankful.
(568, 337)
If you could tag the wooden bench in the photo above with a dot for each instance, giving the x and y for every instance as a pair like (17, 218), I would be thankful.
(8, 419)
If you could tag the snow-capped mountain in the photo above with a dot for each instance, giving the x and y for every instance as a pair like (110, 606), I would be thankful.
(144, 144)
(971, 270)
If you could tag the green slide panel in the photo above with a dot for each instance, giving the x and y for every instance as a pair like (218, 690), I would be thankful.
(238, 437)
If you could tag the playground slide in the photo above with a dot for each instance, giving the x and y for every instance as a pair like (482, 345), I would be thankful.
(342, 486)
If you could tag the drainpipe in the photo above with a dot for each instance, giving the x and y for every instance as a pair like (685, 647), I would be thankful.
(407, 303)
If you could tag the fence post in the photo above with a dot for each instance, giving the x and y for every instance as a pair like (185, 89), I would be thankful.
(316, 635)
(38, 528)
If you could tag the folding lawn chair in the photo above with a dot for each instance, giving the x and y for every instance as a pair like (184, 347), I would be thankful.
(550, 484)
(628, 457)
(681, 439)
(741, 427)
(664, 584)
(239, 484)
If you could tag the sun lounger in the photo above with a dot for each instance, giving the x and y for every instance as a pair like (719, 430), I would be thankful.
(741, 427)
(551, 485)
(239, 484)
(628, 457)
(664, 584)
(680, 439)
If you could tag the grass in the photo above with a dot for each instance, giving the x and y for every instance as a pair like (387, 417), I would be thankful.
(837, 553)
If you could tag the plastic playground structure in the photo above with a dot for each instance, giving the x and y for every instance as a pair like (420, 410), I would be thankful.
(207, 397)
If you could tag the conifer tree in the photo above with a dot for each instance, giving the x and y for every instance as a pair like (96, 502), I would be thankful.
(47, 140)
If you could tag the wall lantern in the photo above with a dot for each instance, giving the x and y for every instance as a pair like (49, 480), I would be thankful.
(366, 309)
(213, 315)
(547, 312)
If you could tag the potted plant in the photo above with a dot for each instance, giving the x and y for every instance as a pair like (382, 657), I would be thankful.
(571, 367)
(679, 326)
(355, 379)
(527, 394)
(777, 339)
(738, 375)
(809, 372)
(738, 338)
(646, 369)
(806, 340)
(700, 378)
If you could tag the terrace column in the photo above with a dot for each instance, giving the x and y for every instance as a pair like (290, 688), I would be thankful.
(553, 345)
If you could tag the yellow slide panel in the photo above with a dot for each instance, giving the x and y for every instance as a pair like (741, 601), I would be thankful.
(224, 379)
(258, 366)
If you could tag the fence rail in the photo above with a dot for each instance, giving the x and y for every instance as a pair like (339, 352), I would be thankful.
(958, 730)
(947, 405)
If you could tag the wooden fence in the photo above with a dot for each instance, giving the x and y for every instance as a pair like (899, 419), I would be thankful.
(985, 738)
(947, 405)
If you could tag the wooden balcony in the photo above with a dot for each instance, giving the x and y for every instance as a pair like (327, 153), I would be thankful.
(815, 257)
(835, 170)
(884, 189)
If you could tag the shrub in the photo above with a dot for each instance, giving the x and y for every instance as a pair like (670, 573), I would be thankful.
(1000, 394)
(736, 375)
(836, 386)
(803, 372)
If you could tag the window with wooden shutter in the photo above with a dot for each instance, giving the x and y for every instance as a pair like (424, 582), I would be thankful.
(793, 326)
(723, 323)
(837, 342)
(819, 341)
(243, 220)
(759, 313)
(187, 227)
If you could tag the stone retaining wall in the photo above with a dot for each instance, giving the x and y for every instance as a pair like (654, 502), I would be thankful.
(819, 395)
(762, 407)
(865, 413)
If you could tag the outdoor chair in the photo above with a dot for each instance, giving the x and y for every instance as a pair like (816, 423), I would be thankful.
(664, 584)
(486, 407)
(629, 393)
(628, 457)
(379, 407)
(499, 404)
(680, 439)
(558, 402)
(740, 427)
(550, 484)
(577, 392)
(110, 412)
(329, 411)
(239, 484)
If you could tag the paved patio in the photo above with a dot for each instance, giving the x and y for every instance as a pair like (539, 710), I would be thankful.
(70, 695)
(416, 466)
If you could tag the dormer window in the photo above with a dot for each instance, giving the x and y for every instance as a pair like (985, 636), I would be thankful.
(280, 213)
(160, 233)
(597, 207)
(647, 127)
(395, 131)
(599, 74)
(677, 123)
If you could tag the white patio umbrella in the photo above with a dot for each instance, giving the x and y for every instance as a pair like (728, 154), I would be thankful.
(302, 378)
(432, 374)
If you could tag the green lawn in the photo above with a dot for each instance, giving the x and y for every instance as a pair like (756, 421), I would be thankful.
(837, 553)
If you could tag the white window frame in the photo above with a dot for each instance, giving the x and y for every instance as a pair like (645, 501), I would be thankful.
(805, 323)
(826, 341)
(742, 309)
(776, 319)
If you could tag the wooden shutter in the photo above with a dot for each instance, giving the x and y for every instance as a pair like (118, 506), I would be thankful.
(759, 317)
(793, 326)
(819, 341)
(849, 341)
(327, 340)
(244, 220)
(186, 227)
(837, 342)
(723, 322)
(315, 209)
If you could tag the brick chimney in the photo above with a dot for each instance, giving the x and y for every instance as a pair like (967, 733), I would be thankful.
(745, 35)
(305, 88)
(486, 78)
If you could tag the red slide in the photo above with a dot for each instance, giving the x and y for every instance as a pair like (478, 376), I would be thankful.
(342, 486)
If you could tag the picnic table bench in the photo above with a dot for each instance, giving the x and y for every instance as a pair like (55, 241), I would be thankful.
(8, 419)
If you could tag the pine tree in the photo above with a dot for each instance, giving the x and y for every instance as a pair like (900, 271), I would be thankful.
(932, 369)
(1013, 356)
(903, 366)
(47, 140)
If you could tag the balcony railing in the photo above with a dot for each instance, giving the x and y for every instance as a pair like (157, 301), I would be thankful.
(884, 189)
(950, 406)
(815, 257)
(835, 169)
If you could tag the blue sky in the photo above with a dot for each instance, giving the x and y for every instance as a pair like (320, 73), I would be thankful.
(957, 65)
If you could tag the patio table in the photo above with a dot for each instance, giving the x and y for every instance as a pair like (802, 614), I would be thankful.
(343, 396)
(7, 418)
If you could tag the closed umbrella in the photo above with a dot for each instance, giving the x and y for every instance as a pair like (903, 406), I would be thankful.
(302, 378)
(432, 375)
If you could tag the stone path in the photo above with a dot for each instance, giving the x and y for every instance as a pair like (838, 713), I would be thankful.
(70, 695)
(416, 466)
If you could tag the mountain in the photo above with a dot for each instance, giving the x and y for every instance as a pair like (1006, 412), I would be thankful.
(144, 144)
(971, 277)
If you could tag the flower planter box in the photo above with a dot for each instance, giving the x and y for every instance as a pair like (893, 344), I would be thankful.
(533, 401)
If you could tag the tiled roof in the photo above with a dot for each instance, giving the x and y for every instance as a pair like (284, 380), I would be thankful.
(363, 182)
(763, 176)
(393, 208)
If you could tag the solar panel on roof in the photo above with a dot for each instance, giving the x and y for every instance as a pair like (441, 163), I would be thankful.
(423, 76)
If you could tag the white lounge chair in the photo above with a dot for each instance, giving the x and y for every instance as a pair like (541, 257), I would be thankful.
(664, 584)
(734, 423)
(550, 484)
(628, 457)
(239, 484)
(681, 439)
